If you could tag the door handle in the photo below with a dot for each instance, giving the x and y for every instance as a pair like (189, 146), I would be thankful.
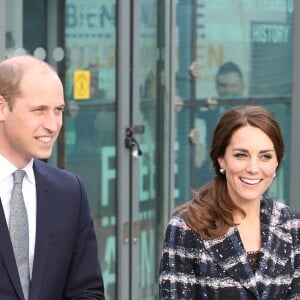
(135, 232)
(131, 143)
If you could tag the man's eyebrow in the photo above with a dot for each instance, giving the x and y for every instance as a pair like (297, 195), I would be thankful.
(46, 106)
(38, 106)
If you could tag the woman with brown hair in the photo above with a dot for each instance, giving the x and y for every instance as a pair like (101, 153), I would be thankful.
(232, 241)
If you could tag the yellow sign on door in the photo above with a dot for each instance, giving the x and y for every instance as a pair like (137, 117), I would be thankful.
(82, 84)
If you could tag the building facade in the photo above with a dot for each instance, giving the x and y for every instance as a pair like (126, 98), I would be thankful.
(143, 96)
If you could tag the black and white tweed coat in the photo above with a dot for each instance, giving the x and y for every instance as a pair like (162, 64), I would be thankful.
(193, 268)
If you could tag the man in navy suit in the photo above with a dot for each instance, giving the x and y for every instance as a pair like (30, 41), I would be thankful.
(62, 255)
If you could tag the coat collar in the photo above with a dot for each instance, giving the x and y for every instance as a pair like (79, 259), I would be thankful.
(44, 220)
(6, 252)
(228, 251)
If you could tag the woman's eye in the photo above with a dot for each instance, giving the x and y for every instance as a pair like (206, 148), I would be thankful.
(266, 157)
(240, 155)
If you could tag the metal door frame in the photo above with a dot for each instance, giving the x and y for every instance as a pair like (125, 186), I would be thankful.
(134, 118)
(123, 162)
(295, 136)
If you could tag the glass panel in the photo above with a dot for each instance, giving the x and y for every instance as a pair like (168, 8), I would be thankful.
(90, 121)
(255, 36)
(183, 156)
(148, 106)
(27, 31)
(14, 26)
(230, 53)
(2, 29)
(152, 40)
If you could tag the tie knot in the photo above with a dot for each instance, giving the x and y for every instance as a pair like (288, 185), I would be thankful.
(18, 176)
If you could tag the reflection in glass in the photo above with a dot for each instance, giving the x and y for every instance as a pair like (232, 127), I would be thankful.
(244, 53)
(90, 123)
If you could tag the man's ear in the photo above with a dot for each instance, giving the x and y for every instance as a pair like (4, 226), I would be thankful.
(3, 105)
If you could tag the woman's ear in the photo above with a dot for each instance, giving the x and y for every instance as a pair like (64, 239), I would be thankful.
(221, 162)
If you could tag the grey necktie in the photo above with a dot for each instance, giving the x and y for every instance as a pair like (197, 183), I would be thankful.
(18, 230)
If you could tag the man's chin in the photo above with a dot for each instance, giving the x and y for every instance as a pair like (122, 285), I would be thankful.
(43, 156)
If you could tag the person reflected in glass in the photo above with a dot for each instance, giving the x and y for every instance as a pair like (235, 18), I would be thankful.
(232, 240)
(229, 81)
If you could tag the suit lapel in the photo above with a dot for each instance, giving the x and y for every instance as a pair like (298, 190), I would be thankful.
(43, 229)
(6, 252)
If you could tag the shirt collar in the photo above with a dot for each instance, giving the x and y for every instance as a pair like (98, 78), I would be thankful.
(7, 168)
(29, 171)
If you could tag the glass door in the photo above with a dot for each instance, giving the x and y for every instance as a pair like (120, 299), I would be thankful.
(145, 164)
(117, 133)
(90, 120)
(144, 113)
(11, 27)
(230, 53)
(149, 116)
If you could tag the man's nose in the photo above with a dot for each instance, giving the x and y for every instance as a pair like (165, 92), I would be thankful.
(52, 121)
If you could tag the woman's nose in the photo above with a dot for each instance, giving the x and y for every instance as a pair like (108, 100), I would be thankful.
(252, 166)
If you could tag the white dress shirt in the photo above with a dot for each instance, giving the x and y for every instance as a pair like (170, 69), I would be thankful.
(29, 195)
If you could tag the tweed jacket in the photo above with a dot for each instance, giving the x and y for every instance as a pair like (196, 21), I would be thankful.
(194, 268)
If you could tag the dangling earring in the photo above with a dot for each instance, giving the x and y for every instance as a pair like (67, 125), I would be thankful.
(222, 171)
(274, 175)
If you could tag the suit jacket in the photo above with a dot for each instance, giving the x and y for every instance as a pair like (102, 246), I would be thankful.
(65, 261)
(193, 268)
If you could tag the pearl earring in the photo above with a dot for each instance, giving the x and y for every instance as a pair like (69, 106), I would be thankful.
(274, 175)
(222, 171)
